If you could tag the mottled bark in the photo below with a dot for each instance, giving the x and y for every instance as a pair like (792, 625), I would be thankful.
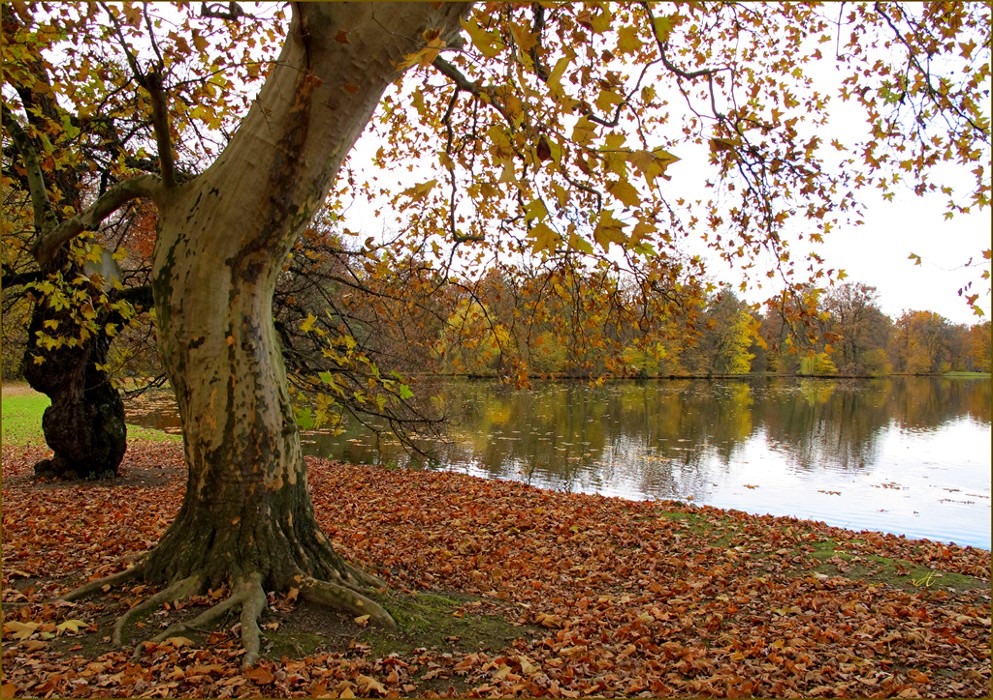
(247, 519)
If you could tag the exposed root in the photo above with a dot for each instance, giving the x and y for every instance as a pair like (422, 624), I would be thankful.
(105, 582)
(344, 593)
(364, 578)
(251, 610)
(249, 594)
(183, 588)
(344, 598)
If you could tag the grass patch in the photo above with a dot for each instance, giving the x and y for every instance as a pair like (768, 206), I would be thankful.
(898, 573)
(21, 415)
(446, 622)
(23, 408)
(143, 434)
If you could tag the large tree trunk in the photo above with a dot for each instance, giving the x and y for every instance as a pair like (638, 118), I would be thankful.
(85, 423)
(247, 517)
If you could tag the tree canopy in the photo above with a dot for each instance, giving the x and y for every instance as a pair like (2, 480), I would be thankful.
(552, 132)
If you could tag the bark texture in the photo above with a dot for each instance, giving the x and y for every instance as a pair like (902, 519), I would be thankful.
(247, 519)
(85, 423)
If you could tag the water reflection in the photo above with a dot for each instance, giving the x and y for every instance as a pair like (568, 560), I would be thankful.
(905, 455)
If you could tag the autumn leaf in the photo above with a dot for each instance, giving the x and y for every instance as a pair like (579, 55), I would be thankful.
(624, 192)
(608, 230)
(260, 674)
(419, 191)
(20, 630)
(369, 686)
(71, 626)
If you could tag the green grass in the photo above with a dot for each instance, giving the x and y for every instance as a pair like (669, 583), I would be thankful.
(22, 418)
(23, 408)
(968, 375)
(893, 572)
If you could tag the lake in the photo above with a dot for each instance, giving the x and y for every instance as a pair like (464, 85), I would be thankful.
(907, 455)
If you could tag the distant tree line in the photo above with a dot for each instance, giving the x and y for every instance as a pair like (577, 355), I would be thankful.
(355, 314)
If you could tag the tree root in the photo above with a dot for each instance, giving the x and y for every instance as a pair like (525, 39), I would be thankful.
(251, 610)
(343, 594)
(344, 597)
(249, 594)
(183, 588)
(98, 585)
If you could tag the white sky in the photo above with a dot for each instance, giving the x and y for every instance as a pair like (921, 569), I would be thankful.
(875, 253)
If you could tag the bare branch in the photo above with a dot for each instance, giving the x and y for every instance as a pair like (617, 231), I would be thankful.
(112, 200)
(160, 123)
(218, 11)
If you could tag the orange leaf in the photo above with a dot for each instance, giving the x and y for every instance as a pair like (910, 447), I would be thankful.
(260, 675)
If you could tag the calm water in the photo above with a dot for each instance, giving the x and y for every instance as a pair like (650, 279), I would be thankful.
(907, 455)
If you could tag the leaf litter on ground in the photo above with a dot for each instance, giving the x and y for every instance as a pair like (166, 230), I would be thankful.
(516, 592)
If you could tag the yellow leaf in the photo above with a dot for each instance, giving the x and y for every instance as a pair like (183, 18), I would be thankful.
(420, 191)
(608, 230)
(535, 210)
(507, 175)
(72, 626)
(545, 238)
(488, 43)
(624, 192)
(601, 23)
(664, 27)
(425, 56)
(653, 163)
(628, 40)
(717, 145)
(20, 630)
(555, 77)
(580, 244)
(607, 99)
(525, 39)
(583, 131)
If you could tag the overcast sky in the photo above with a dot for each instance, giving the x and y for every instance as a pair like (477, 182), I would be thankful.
(875, 253)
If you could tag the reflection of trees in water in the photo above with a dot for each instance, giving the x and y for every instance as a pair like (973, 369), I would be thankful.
(667, 438)
(660, 436)
(819, 423)
(921, 404)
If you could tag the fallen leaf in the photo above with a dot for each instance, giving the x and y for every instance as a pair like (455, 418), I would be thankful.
(20, 630)
(72, 626)
(368, 685)
(259, 674)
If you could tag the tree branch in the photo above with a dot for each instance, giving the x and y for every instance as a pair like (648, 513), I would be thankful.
(153, 82)
(44, 215)
(160, 123)
(216, 10)
(112, 200)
